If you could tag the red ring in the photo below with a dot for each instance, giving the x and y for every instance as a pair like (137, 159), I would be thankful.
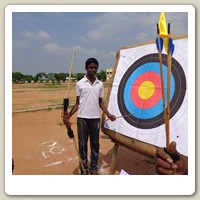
(155, 98)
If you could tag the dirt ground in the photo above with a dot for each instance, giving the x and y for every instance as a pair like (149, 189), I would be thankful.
(41, 146)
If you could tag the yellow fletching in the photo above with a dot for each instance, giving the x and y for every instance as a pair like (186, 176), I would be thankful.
(162, 25)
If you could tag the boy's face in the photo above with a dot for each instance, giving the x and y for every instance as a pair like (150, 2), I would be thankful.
(92, 69)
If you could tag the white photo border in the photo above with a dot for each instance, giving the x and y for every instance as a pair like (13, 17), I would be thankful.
(89, 185)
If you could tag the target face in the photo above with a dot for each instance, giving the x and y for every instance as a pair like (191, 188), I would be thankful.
(140, 92)
(136, 95)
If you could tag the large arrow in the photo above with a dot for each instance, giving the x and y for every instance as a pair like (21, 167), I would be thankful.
(163, 33)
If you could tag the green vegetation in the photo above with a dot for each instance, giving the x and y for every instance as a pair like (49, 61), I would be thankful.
(53, 78)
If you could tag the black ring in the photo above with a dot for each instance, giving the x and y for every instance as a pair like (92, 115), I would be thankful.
(175, 104)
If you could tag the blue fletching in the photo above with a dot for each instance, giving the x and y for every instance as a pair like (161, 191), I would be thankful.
(171, 46)
(161, 45)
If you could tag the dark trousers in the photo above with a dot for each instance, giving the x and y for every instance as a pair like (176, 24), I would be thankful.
(88, 128)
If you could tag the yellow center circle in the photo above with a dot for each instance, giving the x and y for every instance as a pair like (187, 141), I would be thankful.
(146, 90)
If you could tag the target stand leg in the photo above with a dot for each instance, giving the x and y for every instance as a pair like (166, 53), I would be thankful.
(114, 159)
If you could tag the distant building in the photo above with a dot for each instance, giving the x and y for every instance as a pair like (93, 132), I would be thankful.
(72, 79)
(45, 79)
(109, 73)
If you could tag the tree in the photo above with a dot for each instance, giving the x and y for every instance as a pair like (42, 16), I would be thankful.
(79, 76)
(40, 75)
(50, 76)
(60, 76)
(17, 77)
(101, 75)
(28, 78)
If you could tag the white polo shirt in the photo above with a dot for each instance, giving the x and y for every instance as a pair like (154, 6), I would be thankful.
(89, 98)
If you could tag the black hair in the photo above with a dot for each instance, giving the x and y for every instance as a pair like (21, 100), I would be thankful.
(89, 61)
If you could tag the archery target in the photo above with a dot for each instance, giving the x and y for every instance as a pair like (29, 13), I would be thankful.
(140, 91)
(136, 95)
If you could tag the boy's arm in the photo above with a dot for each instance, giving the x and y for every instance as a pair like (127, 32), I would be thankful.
(75, 107)
(105, 110)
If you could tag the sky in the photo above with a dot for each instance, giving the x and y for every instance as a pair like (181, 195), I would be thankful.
(44, 41)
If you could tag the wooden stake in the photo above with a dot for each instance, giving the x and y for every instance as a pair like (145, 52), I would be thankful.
(114, 159)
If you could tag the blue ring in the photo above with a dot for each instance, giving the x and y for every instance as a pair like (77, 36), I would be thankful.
(158, 108)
